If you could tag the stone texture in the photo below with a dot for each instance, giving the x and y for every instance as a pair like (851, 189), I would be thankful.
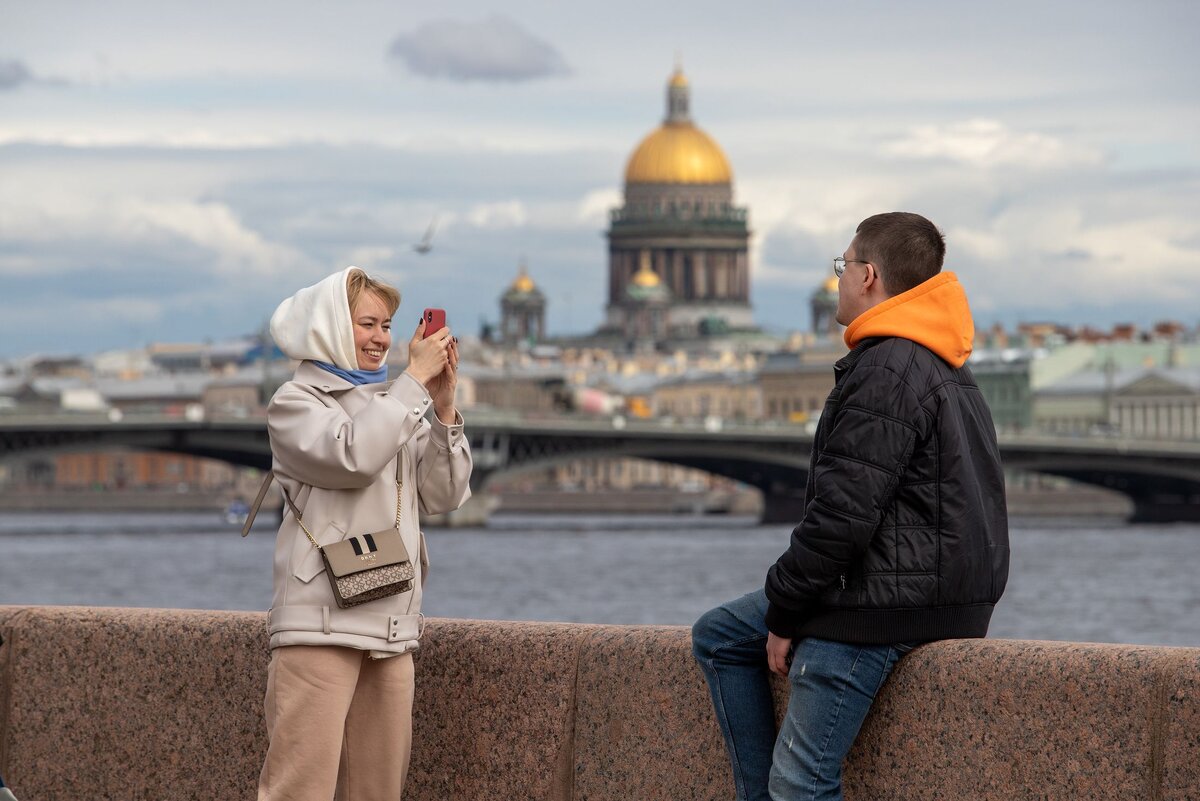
(999, 719)
(644, 726)
(134, 704)
(7, 616)
(153, 704)
(1181, 726)
(493, 711)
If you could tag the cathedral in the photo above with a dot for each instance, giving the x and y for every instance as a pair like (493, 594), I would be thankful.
(678, 248)
(678, 260)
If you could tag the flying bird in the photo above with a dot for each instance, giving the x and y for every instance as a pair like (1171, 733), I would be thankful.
(426, 243)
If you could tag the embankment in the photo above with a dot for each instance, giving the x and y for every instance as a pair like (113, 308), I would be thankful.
(163, 705)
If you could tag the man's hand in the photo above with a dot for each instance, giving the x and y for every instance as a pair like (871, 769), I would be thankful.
(779, 654)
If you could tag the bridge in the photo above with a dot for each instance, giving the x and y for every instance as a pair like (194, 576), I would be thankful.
(1161, 477)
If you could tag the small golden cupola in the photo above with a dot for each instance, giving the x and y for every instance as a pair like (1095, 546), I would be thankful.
(523, 283)
(522, 310)
(645, 286)
(646, 277)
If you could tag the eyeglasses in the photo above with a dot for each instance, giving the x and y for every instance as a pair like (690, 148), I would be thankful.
(840, 262)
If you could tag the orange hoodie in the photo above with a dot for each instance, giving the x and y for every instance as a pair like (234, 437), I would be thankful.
(934, 314)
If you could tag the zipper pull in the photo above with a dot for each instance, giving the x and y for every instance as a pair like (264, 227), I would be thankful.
(843, 578)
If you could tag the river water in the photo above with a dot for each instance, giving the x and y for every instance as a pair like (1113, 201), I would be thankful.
(1084, 580)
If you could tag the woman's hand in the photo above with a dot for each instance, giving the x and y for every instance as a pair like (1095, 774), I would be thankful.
(434, 362)
(441, 387)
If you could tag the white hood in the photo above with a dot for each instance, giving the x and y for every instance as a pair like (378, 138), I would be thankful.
(315, 323)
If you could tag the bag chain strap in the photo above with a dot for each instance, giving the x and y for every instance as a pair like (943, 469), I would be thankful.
(399, 488)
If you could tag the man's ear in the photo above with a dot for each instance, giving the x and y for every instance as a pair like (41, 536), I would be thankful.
(873, 281)
(870, 276)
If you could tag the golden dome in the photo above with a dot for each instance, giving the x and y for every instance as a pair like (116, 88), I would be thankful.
(523, 283)
(678, 153)
(645, 277)
(831, 284)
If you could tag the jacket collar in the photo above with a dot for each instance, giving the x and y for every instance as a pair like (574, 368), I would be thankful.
(850, 359)
(308, 373)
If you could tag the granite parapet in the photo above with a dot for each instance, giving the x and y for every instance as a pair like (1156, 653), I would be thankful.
(167, 704)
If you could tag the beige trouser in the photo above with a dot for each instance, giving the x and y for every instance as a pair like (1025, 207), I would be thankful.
(339, 723)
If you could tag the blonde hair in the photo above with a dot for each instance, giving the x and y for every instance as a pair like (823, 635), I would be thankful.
(360, 282)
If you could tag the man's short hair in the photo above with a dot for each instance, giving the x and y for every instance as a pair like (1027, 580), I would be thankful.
(906, 248)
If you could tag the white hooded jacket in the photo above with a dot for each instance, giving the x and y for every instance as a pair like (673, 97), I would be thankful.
(335, 447)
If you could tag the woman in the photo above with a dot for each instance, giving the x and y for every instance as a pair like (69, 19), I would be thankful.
(340, 681)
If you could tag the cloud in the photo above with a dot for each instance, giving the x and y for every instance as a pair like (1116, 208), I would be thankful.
(163, 231)
(370, 257)
(496, 49)
(506, 214)
(236, 249)
(215, 237)
(26, 322)
(1042, 258)
(594, 208)
(14, 74)
(989, 143)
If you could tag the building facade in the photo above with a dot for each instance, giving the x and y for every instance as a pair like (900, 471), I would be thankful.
(1005, 384)
(729, 396)
(680, 223)
(1161, 403)
(794, 386)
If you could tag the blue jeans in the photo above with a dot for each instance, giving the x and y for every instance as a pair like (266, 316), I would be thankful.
(832, 687)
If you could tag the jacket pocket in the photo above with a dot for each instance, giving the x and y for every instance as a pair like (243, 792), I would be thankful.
(311, 563)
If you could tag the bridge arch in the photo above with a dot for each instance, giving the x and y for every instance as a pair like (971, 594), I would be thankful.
(780, 477)
(1161, 478)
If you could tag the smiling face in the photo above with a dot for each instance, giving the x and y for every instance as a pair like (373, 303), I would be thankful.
(372, 330)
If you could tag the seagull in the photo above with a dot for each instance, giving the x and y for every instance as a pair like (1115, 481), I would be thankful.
(426, 243)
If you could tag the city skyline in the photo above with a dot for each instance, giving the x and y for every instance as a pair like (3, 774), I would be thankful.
(171, 174)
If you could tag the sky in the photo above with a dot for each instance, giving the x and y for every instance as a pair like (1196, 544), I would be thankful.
(170, 171)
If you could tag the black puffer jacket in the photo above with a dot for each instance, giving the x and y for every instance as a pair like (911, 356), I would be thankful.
(905, 534)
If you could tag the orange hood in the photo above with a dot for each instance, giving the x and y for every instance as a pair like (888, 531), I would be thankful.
(934, 314)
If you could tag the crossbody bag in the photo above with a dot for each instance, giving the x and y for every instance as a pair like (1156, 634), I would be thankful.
(363, 567)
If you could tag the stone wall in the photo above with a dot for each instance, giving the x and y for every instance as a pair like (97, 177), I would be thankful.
(162, 705)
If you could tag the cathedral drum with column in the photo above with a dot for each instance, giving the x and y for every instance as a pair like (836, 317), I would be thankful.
(679, 222)
(522, 311)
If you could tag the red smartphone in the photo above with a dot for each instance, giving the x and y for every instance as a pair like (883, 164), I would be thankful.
(435, 320)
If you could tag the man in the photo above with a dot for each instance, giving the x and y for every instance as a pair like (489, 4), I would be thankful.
(904, 537)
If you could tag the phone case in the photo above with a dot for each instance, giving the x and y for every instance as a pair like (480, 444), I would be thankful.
(435, 320)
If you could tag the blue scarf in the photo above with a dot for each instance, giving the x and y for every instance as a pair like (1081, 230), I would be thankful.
(356, 377)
